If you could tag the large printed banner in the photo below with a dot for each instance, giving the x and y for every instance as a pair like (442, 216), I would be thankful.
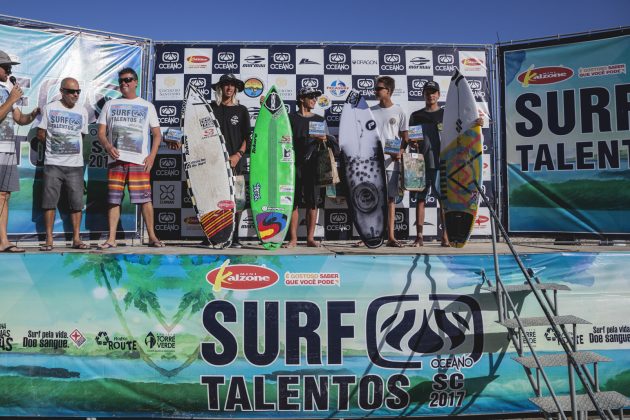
(288, 336)
(46, 56)
(566, 136)
(334, 69)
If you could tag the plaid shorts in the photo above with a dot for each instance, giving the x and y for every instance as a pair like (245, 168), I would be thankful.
(132, 174)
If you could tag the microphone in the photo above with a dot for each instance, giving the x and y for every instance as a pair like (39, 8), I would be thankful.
(13, 79)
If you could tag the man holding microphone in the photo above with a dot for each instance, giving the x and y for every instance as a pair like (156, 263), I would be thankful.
(10, 94)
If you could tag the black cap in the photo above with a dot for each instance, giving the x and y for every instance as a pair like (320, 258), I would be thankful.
(431, 85)
(229, 78)
(308, 91)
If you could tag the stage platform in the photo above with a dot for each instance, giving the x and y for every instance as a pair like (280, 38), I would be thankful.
(474, 247)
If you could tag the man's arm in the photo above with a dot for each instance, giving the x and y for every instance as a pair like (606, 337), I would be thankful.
(4, 110)
(25, 119)
(14, 96)
(157, 139)
(404, 135)
(102, 139)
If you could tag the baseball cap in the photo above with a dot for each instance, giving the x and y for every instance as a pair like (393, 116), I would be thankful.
(6, 59)
(431, 85)
(308, 90)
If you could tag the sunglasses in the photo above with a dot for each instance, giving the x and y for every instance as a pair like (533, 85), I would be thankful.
(72, 91)
(312, 96)
(378, 88)
(126, 80)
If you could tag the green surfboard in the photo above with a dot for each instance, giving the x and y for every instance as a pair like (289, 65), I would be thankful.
(272, 171)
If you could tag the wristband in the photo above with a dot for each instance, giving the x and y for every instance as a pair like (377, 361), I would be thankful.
(240, 153)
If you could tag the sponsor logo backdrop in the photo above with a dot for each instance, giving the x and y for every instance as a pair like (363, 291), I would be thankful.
(334, 69)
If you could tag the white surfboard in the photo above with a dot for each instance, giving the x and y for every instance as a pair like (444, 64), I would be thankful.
(362, 153)
(208, 171)
(461, 151)
(460, 110)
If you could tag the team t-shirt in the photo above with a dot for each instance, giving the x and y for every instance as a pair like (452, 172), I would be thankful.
(128, 122)
(64, 128)
(390, 121)
(7, 133)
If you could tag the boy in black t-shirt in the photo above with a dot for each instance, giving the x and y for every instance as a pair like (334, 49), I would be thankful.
(305, 146)
(431, 119)
(233, 120)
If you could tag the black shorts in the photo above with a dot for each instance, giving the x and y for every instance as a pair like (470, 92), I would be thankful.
(431, 179)
(306, 191)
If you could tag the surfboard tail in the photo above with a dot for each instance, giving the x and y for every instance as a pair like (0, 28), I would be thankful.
(459, 226)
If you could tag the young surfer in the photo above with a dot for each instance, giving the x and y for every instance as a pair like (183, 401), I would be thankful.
(430, 117)
(393, 127)
(306, 139)
(233, 120)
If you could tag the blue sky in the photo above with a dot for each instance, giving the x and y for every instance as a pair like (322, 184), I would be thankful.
(416, 21)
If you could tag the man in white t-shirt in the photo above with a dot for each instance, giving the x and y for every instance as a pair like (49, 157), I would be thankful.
(62, 127)
(123, 131)
(393, 127)
(10, 95)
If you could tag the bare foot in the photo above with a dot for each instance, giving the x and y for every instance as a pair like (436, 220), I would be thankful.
(290, 244)
(311, 243)
(418, 243)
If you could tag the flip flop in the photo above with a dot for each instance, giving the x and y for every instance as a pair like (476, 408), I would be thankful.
(46, 248)
(105, 246)
(12, 249)
(394, 244)
(81, 245)
(156, 244)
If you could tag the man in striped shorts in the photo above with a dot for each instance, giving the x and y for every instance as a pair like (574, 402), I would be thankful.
(123, 131)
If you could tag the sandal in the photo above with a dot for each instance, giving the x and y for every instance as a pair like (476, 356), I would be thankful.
(46, 248)
(105, 246)
(12, 249)
(80, 245)
(394, 244)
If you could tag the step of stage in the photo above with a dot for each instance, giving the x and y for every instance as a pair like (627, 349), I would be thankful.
(550, 360)
(609, 400)
(525, 287)
(542, 321)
